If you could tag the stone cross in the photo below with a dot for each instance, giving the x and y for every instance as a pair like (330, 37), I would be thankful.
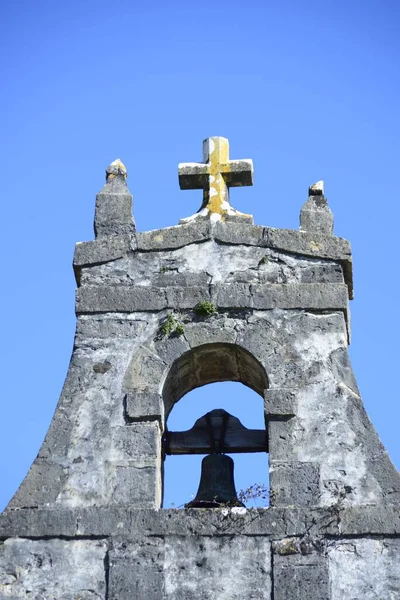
(215, 176)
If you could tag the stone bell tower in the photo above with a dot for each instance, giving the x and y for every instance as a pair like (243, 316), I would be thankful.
(160, 313)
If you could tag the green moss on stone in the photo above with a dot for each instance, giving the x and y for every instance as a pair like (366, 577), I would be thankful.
(205, 309)
(169, 325)
(179, 329)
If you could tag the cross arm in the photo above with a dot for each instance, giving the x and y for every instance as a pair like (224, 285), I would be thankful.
(192, 176)
(238, 172)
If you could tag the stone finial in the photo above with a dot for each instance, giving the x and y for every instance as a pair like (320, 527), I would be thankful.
(316, 214)
(113, 214)
(215, 176)
(117, 167)
(317, 189)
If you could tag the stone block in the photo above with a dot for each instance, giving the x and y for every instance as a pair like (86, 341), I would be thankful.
(103, 249)
(186, 297)
(115, 326)
(108, 522)
(137, 484)
(238, 218)
(234, 295)
(300, 576)
(387, 476)
(119, 298)
(307, 244)
(143, 405)
(170, 238)
(322, 273)
(365, 568)
(113, 214)
(313, 296)
(281, 439)
(227, 568)
(316, 216)
(41, 486)
(339, 362)
(279, 403)
(139, 440)
(173, 278)
(37, 522)
(234, 232)
(146, 370)
(246, 277)
(136, 570)
(294, 483)
(312, 220)
(378, 466)
(55, 445)
(170, 347)
(276, 272)
(56, 569)
(373, 520)
(219, 330)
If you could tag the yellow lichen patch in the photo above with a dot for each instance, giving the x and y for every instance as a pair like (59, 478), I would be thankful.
(288, 546)
(218, 156)
(216, 197)
(314, 246)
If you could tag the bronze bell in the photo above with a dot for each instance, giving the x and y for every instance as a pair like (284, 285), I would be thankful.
(217, 486)
(214, 434)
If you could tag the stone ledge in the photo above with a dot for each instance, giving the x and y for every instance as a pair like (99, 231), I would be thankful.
(103, 249)
(290, 240)
(118, 298)
(273, 522)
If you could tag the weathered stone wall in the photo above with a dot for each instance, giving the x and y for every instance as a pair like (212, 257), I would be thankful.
(86, 522)
(225, 554)
(280, 326)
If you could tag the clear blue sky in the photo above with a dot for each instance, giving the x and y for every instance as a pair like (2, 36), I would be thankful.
(309, 90)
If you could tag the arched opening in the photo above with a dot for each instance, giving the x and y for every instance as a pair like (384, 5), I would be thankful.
(226, 366)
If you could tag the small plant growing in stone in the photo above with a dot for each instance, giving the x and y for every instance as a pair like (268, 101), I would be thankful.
(166, 269)
(273, 495)
(172, 325)
(205, 309)
(179, 329)
(265, 259)
(257, 492)
(169, 325)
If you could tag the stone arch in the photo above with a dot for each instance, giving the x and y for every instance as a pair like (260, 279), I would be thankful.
(212, 363)
(203, 365)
